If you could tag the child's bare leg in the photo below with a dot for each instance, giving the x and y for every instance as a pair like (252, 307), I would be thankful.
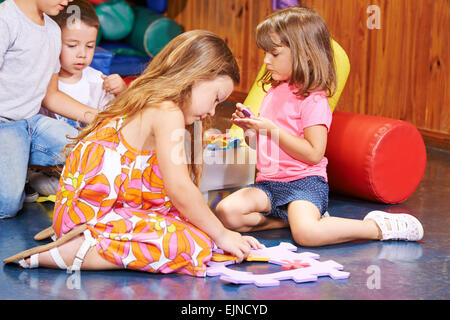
(68, 250)
(308, 229)
(240, 211)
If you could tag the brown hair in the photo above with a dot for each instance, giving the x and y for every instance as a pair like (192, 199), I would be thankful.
(305, 33)
(192, 56)
(85, 12)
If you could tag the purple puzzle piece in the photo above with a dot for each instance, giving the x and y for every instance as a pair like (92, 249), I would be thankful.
(284, 251)
(276, 255)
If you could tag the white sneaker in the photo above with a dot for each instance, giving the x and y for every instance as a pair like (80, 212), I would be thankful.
(45, 185)
(30, 194)
(401, 226)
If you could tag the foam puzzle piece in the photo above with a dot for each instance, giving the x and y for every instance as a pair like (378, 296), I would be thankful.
(284, 251)
(280, 255)
(296, 264)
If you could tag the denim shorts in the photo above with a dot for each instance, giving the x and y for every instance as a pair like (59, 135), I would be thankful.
(313, 189)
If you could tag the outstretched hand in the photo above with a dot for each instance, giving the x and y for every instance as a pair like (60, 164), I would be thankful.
(256, 123)
(237, 245)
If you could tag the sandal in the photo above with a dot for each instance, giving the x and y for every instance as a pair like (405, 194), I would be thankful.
(33, 253)
(402, 226)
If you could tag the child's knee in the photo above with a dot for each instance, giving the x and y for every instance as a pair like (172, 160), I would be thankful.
(307, 236)
(10, 206)
(226, 211)
(12, 195)
(223, 208)
(51, 137)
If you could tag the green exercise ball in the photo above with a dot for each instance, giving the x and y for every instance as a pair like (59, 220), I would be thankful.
(116, 19)
(152, 31)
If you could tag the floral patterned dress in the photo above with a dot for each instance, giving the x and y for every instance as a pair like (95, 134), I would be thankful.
(117, 191)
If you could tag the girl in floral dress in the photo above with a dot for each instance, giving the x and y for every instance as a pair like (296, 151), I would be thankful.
(128, 195)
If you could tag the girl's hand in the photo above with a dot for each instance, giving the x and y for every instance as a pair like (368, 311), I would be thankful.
(239, 111)
(258, 124)
(114, 84)
(253, 242)
(237, 245)
(238, 115)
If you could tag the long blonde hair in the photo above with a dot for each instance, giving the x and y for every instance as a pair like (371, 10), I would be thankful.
(193, 56)
(305, 33)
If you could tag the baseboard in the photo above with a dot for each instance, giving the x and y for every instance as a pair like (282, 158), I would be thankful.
(435, 139)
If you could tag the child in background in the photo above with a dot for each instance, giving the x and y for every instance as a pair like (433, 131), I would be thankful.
(128, 194)
(76, 77)
(291, 135)
(30, 44)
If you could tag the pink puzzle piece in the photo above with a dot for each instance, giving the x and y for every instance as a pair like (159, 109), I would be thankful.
(281, 254)
(296, 264)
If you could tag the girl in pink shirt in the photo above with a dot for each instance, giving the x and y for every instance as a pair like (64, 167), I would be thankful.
(290, 135)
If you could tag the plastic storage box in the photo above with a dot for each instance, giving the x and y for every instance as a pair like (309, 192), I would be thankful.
(229, 168)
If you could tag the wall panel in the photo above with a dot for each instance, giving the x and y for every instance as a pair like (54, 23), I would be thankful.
(399, 71)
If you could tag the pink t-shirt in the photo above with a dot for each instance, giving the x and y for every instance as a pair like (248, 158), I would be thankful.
(293, 114)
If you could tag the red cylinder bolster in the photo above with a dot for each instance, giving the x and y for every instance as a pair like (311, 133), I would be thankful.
(95, 2)
(129, 79)
(374, 158)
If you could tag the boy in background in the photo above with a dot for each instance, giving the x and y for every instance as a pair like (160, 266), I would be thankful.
(30, 46)
(76, 78)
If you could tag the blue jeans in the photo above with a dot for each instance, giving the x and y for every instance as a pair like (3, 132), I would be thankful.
(38, 140)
